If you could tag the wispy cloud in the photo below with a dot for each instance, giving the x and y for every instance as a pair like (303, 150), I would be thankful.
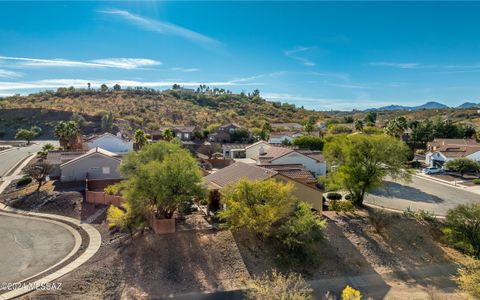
(409, 65)
(348, 86)
(185, 70)
(117, 63)
(80, 83)
(162, 27)
(296, 54)
(325, 103)
(9, 74)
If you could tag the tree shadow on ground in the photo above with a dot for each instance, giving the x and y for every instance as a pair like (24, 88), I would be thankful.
(161, 266)
(339, 264)
(408, 248)
(396, 190)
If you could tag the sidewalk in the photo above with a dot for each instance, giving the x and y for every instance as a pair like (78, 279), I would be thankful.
(95, 239)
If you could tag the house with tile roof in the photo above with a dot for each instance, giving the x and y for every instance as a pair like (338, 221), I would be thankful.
(313, 161)
(97, 163)
(443, 150)
(237, 171)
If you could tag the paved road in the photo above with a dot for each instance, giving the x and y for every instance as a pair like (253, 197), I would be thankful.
(29, 246)
(421, 194)
(10, 158)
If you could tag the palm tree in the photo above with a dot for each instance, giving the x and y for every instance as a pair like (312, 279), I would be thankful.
(67, 133)
(358, 125)
(167, 134)
(140, 138)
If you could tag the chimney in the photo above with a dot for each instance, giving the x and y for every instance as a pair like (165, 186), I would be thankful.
(261, 151)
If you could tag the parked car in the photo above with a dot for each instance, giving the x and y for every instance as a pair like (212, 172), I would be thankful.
(432, 170)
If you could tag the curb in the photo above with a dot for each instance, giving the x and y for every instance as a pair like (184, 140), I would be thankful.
(446, 183)
(394, 210)
(95, 241)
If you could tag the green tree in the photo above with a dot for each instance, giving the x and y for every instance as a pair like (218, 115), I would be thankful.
(266, 130)
(370, 118)
(241, 135)
(301, 231)
(117, 87)
(168, 134)
(104, 88)
(309, 142)
(25, 134)
(45, 149)
(78, 118)
(256, 205)
(159, 181)
(462, 165)
(339, 129)
(140, 138)
(358, 125)
(396, 127)
(67, 133)
(361, 162)
(107, 122)
(462, 228)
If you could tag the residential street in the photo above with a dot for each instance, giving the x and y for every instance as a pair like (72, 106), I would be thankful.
(10, 158)
(421, 194)
(30, 246)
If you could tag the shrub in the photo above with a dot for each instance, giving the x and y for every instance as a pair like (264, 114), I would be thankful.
(468, 278)
(420, 215)
(476, 181)
(341, 205)
(279, 286)
(334, 196)
(300, 231)
(24, 181)
(350, 293)
(111, 189)
(462, 228)
(379, 219)
(117, 217)
(420, 151)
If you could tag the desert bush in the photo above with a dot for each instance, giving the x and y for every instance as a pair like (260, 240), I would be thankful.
(341, 205)
(300, 232)
(112, 189)
(462, 228)
(334, 196)
(117, 217)
(468, 278)
(420, 215)
(420, 151)
(350, 293)
(476, 181)
(379, 219)
(279, 287)
(24, 181)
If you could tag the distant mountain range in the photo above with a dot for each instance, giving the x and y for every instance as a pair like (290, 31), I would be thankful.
(428, 105)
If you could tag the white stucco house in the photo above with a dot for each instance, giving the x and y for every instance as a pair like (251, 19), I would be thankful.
(279, 137)
(443, 150)
(110, 142)
(97, 163)
(313, 161)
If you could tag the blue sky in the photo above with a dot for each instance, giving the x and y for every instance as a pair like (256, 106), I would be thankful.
(322, 55)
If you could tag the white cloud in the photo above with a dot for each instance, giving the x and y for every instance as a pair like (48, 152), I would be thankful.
(9, 74)
(348, 86)
(162, 27)
(186, 70)
(81, 83)
(319, 103)
(409, 65)
(117, 63)
(294, 55)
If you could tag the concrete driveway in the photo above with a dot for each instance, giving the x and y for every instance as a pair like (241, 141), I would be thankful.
(29, 246)
(421, 194)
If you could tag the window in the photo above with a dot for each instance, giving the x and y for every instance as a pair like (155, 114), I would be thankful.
(105, 170)
(187, 136)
